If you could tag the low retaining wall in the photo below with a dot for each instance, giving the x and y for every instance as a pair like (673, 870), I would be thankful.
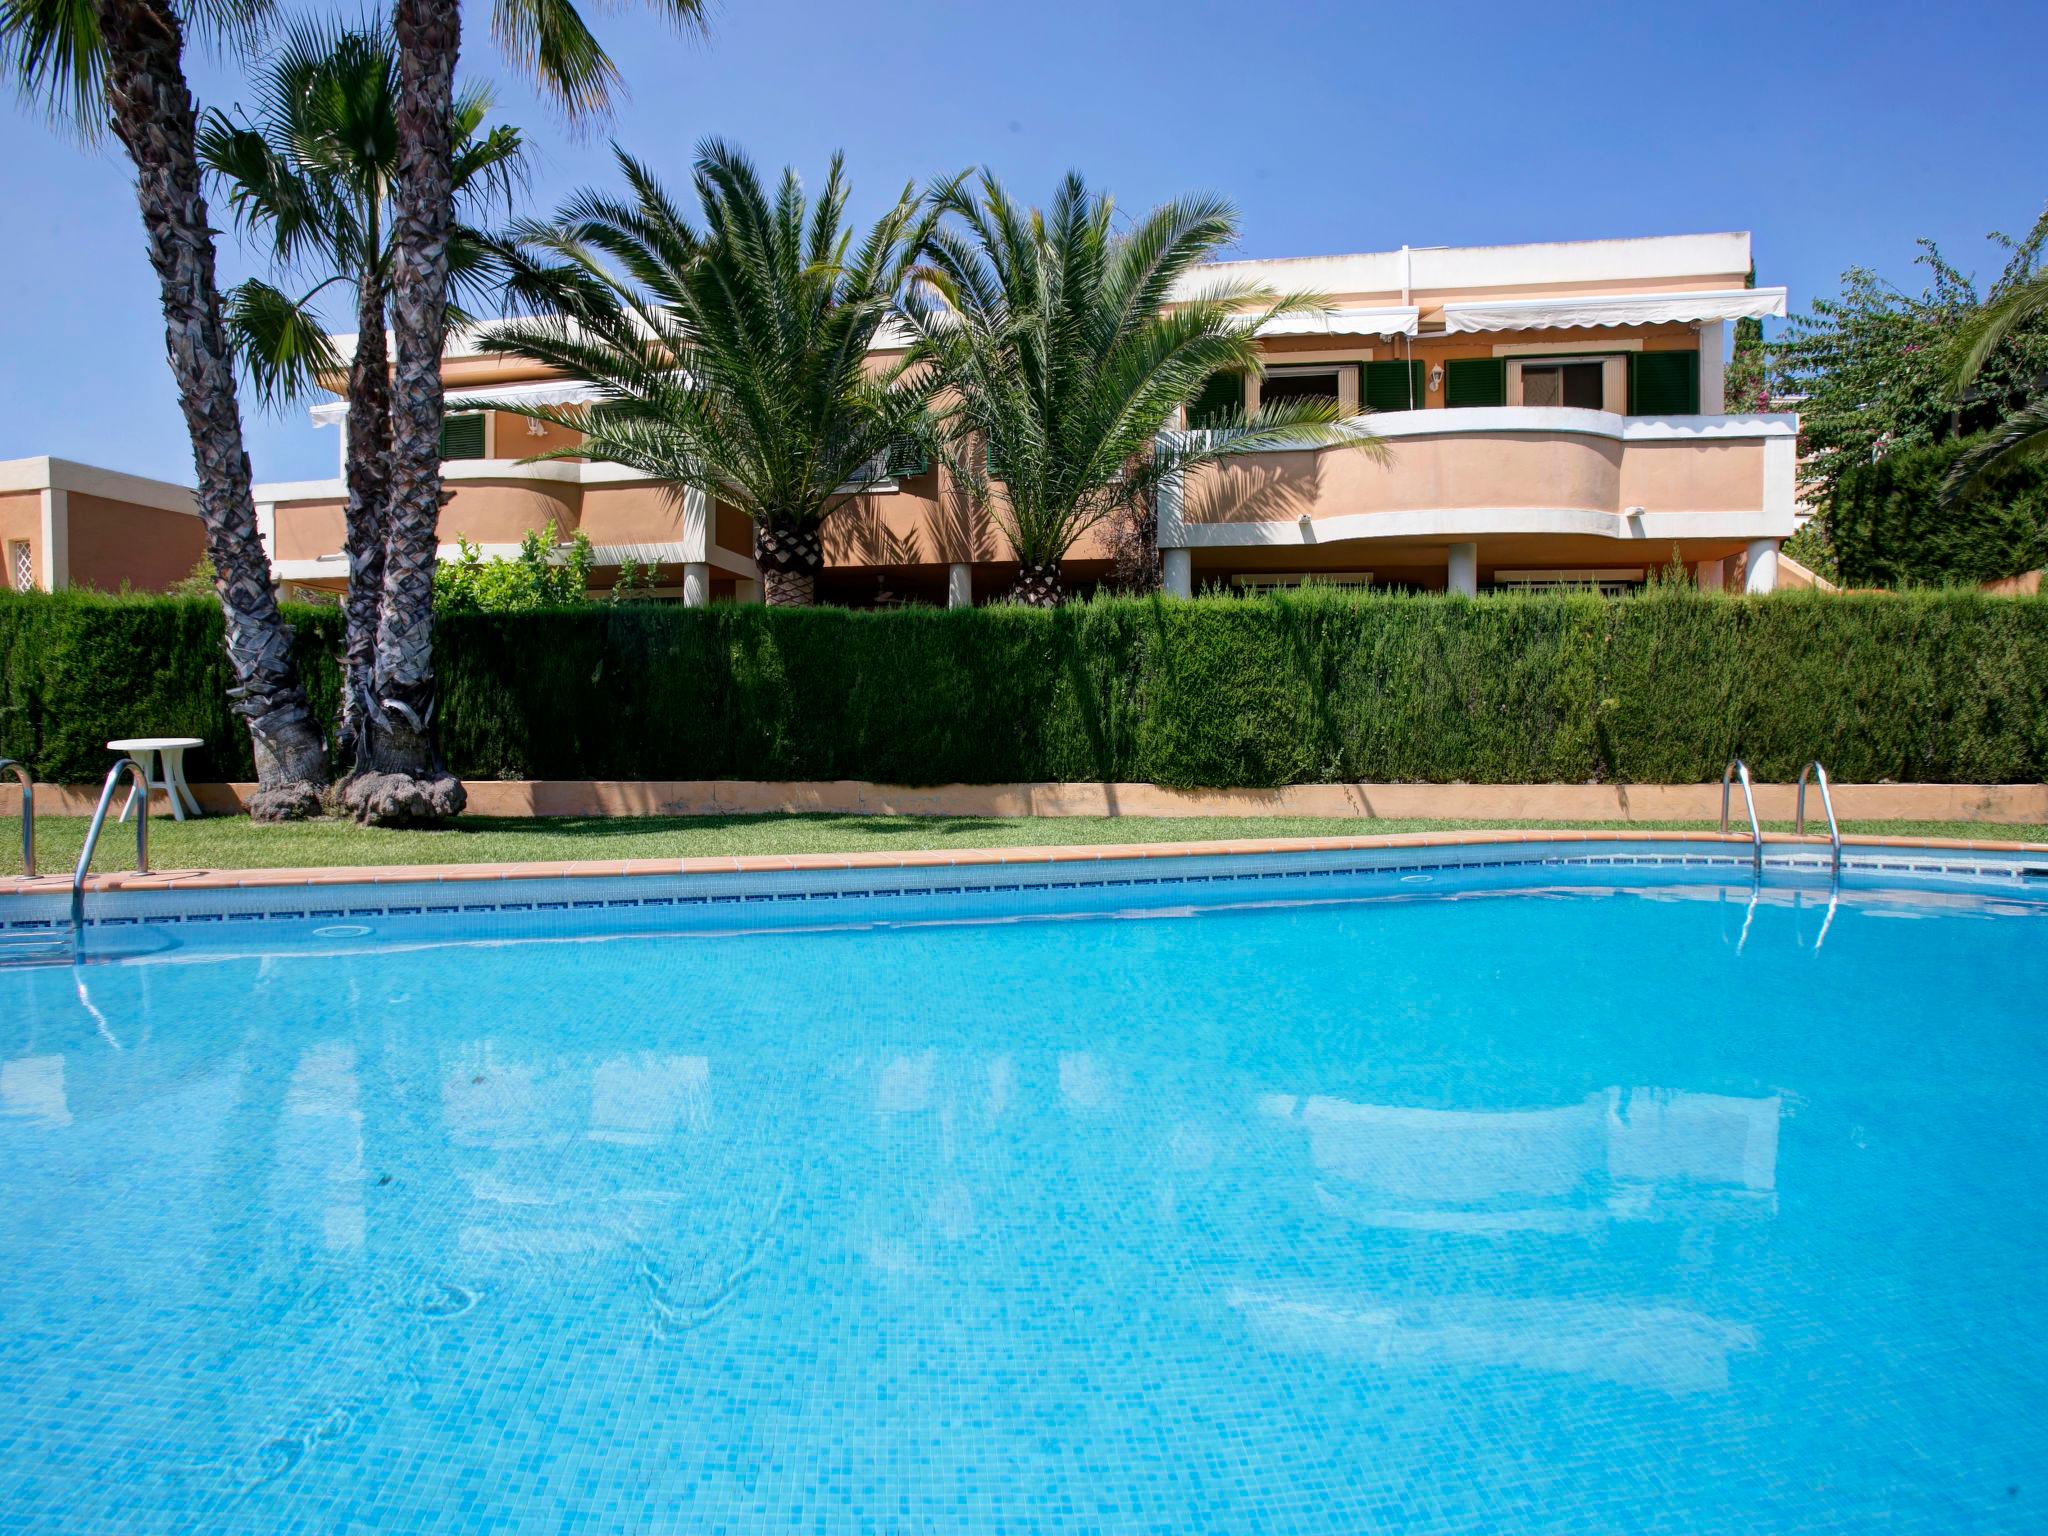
(1990, 803)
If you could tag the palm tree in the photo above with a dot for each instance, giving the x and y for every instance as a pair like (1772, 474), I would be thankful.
(551, 42)
(732, 361)
(2022, 435)
(310, 178)
(120, 63)
(1066, 348)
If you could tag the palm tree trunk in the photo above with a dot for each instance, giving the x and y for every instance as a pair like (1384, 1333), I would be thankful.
(151, 110)
(1038, 586)
(789, 559)
(369, 492)
(407, 784)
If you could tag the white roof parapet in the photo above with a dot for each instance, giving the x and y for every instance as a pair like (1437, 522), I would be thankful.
(1392, 320)
(547, 392)
(1594, 310)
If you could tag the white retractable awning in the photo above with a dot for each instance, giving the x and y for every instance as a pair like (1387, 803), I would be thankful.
(1604, 309)
(552, 392)
(1392, 320)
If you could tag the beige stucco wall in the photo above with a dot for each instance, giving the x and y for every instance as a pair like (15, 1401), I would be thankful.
(306, 530)
(21, 518)
(928, 521)
(116, 542)
(1566, 471)
(1723, 476)
(504, 511)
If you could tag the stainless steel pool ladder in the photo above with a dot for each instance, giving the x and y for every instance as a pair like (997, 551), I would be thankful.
(1737, 767)
(127, 765)
(28, 812)
(1827, 803)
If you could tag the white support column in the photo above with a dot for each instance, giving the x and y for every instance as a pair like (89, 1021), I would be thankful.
(696, 526)
(56, 540)
(959, 585)
(1761, 574)
(696, 584)
(1461, 573)
(1177, 573)
(1176, 565)
(1713, 367)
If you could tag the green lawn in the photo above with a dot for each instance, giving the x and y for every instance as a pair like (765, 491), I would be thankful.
(234, 843)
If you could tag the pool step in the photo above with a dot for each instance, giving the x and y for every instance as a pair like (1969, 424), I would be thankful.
(35, 949)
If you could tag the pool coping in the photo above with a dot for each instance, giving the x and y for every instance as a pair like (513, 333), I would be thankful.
(1076, 853)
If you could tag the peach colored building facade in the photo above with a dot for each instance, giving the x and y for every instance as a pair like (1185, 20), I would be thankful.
(70, 525)
(1552, 411)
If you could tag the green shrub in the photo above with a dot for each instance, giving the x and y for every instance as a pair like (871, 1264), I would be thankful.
(1326, 686)
(78, 669)
(1889, 528)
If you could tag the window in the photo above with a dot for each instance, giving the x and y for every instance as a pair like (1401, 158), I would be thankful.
(21, 565)
(1394, 386)
(1220, 402)
(907, 459)
(1263, 583)
(1298, 384)
(1476, 381)
(462, 437)
(1664, 384)
(1606, 583)
(1572, 382)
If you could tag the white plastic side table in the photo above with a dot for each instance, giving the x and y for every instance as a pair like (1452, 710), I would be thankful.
(144, 750)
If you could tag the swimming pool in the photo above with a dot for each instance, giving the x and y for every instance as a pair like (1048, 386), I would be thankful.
(1576, 1188)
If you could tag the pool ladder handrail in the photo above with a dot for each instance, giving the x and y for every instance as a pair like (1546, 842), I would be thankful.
(28, 813)
(127, 765)
(1736, 766)
(1827, 803)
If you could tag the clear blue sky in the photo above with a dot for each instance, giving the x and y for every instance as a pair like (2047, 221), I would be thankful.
(1836, 133)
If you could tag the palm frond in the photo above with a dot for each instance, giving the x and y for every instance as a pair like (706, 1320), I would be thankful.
(1066, 348)
(309, 174)
(549, 41)
(2020, 438)
(56, 56)
(278, 340)
(1986, 328)
(732, 358)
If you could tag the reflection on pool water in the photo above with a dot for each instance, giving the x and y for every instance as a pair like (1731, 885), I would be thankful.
(1591, 1209)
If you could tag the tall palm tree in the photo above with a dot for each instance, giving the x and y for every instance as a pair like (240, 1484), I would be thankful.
(732, 361)
(2024, 434)
(120, 64)
(550, 41)
(309, 176)
(1066, 347)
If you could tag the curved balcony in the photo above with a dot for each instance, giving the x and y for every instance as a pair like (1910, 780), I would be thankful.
(1495, 471)
(495, 503)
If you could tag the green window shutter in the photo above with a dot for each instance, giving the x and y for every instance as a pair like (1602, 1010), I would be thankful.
(1663, 383)
(993, 467)
(1393, 386)
(1476, 381)
(462, 437)
(1221, 400)
(907, 459)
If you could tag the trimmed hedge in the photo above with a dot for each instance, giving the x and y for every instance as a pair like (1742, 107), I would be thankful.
(1320, 687)
(1890, 528)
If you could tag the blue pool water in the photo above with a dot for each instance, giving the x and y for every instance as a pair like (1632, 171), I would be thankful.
(1364, 1206)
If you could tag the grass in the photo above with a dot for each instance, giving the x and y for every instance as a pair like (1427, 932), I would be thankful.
(226, 842)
